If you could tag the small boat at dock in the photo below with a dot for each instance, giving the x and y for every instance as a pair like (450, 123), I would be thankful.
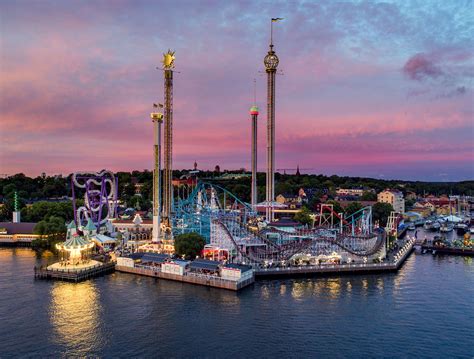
(428, 225)
(446, 227)
(461, 228)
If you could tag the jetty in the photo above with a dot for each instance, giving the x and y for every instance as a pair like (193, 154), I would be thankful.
(199, 271)
(192, 278)
(457, 251)
(43, 272)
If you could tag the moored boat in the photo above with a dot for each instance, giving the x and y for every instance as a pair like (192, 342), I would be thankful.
(461, 228)
(446, 227)
(436, 226)
(428, 225)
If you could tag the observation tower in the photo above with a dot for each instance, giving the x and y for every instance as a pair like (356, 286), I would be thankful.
(271, 63)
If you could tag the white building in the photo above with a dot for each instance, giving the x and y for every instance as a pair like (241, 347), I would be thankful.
(350, 191)
(177, 267)
(395, 198)
(236, 272)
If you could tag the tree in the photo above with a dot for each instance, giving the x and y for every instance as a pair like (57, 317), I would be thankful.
(381, 212)
(43, 210)
(189, 245)
(368, 196)
(353, 207)
(409, 203)
(304, 216)
(53, 229)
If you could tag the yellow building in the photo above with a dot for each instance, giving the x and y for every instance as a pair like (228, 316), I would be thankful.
(395, 198)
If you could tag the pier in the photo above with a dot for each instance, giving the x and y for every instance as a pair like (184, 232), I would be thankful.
(331, 269)
(192, 278)
(43, 272)
(448, 250)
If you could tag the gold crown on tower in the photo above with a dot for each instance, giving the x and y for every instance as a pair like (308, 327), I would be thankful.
(168, 60)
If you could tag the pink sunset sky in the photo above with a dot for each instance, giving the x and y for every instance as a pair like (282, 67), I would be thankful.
(373, 89)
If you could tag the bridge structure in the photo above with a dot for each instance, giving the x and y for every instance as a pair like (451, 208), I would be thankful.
(230, 224)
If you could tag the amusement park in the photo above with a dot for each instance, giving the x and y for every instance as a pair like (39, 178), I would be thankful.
(242, 240)
(235, 178)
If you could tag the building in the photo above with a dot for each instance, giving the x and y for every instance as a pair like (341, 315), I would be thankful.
(175, 266)
(204, 266)
(289, 199)
(307, 194)
(20, 233)
(350, 192)
(395, 198)
(236, 272)
(136, 229)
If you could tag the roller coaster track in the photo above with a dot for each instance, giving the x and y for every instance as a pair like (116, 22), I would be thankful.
(286, 251)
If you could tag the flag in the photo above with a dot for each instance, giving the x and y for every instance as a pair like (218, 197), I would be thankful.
(275, 19)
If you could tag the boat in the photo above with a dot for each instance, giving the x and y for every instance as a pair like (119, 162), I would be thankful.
(461, 228)
(419, 222)
(411, 226)
(446, 227)
(428, 225)
(436, 226)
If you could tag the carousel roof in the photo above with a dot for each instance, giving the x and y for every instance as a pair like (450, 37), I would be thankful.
(76, 242)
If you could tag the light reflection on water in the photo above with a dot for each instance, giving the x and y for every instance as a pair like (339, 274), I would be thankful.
(75, 316)
(123, 316)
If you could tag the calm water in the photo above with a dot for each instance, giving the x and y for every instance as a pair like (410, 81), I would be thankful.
(426, 310)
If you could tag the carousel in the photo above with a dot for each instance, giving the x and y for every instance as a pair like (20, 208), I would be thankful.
(75, 254)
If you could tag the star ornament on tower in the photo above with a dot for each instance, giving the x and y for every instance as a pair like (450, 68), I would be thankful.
(168, 60)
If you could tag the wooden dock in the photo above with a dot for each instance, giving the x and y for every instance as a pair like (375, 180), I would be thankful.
(448, 250)
(334, 269)
(74, 276)
(199, 279)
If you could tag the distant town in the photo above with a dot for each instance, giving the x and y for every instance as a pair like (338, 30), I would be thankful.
(45, 202)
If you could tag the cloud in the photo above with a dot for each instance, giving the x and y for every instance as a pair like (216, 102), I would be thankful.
(78, 80)
(420, 67)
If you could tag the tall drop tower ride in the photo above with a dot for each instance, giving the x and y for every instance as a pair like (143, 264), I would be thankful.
(168, 66)
(157, 119)
(271, 63)
(254, 115)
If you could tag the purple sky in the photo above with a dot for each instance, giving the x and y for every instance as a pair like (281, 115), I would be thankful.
(380, 90)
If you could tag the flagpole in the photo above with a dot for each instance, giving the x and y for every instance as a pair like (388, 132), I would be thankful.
(271, 32)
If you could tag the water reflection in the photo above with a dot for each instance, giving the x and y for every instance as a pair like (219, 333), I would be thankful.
(348, 286)
(74, 315)
(380, 284)
(298, 289)
(334, 287)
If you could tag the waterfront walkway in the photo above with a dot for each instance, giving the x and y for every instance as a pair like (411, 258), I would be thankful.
(193, 278)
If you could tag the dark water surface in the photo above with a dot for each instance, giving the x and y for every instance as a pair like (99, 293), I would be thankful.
(426, 310)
